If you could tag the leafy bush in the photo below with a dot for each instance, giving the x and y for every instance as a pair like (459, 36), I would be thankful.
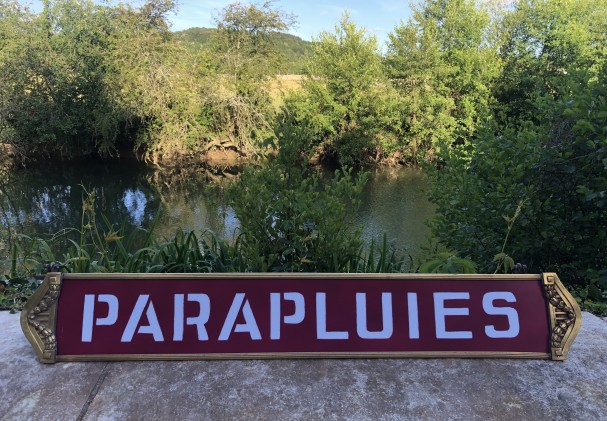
(14, 293)
(346, 108)
(442, 62)
(292, 221)
(554, 171)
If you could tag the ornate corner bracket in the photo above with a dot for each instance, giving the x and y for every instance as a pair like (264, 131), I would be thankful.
(565, 316)
(39, 316)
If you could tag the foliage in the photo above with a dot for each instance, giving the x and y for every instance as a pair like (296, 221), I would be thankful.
(290, 220)
(541, 164)
(243, 39)
(446, 262)
(543, 44)
(53, 90)
(9, 219)
(186, 252)
(243, 60)
(551, 175)
(103, 246)
(82, 77)
(346, 108)
(442, 62)
(153, 84)
(598, 308)
(593, 296)
(14, 293)
(79, 76)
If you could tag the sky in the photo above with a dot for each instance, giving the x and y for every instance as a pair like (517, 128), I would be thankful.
(379, 17)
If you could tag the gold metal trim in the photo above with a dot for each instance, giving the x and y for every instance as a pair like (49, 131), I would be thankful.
(301, 275)
(302, 355)
(39, 316)
(565, 316)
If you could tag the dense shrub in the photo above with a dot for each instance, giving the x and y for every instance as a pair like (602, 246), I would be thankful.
(555, 171)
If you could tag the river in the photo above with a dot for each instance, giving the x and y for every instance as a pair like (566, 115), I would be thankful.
(48, 198)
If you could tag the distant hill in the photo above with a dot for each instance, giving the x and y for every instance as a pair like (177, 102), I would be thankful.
(295, 49)
(197, 37)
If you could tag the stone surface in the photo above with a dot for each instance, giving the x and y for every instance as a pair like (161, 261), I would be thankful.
(454, 389)
(33, 391)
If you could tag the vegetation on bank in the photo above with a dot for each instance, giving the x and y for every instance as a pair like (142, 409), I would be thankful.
(504, 106)
(87, 78)
(531, 184)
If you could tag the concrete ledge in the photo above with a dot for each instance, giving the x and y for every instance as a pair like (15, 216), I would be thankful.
(306, 389)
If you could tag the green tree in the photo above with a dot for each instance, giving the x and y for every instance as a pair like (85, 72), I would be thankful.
(244, 42)
(542, 186)
(155, 83)
(544, 44)
(54, 95)
(80, 77)
(442, 62)
(532, 186)
(346, 108)
(238, 70)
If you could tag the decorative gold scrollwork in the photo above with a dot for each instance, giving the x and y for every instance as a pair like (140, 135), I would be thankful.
(38, 318)
(565, 316)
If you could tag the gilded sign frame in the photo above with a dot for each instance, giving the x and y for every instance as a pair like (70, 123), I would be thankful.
(38, 318)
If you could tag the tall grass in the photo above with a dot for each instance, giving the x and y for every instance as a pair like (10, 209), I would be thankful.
(113, 250)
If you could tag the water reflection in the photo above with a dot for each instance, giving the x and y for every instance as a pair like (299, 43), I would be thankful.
(48, 199)
(135, 201)
(395, 202)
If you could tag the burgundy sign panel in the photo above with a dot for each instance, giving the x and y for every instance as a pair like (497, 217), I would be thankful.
(294, 315)
(93, 317)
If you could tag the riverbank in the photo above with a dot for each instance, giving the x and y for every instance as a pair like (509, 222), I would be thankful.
(398, 389)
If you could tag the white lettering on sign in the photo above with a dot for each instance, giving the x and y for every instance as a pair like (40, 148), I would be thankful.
(321, 320)
(152, 328)
(250, 324)
(89, 311)
(241, 307)
(441, 312)
(513, 323)
(413, 315)
(198, 321)
(361, 317)
(275, 312)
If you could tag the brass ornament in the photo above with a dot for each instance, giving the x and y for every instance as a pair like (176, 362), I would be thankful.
(39, 316)
(564, 314)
